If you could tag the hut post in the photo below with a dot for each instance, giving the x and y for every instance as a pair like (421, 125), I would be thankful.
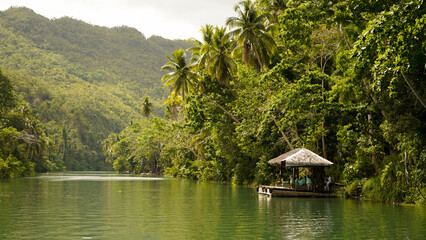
(282, 169)
(294, 178)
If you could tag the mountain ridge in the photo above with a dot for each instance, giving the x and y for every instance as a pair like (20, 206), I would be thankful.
(82, 77)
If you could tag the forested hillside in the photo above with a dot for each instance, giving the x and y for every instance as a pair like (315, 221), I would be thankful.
(345, 79)
(82, 81)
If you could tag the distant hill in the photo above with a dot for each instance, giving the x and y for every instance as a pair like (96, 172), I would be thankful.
(83, 81)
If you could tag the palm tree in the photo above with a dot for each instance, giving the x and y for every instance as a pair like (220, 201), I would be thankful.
(183, 80)
(146, 107)
(214, 55)
(274, 8)
(251, 35)
(221, 65)
(180, 74)
(201, 50)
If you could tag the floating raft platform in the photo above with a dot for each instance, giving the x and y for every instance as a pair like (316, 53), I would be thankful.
(277, 191)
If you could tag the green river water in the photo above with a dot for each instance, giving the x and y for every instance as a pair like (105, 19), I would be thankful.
(110, 206)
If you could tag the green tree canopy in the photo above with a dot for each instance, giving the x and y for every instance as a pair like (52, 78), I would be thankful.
(251, 35)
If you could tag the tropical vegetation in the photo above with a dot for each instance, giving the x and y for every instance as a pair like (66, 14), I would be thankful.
(344, 79)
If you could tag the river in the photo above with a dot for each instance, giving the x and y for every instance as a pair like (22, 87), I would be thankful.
(111, 206)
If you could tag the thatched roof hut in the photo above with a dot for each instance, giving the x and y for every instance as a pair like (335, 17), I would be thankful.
(300, 157)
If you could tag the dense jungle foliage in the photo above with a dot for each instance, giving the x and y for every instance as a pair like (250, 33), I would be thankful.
(23, 143)
(77, 83)
(344, 79)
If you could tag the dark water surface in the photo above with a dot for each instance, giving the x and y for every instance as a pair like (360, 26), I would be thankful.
(110, 206)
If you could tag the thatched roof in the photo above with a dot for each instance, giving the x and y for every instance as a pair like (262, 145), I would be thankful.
(300, 157)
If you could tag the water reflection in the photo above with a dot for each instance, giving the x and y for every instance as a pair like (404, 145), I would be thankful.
(297, 218)
(95, 176)
(99, 178)
(109, 206)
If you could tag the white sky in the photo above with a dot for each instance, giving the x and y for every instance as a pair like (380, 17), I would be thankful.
(172, 19)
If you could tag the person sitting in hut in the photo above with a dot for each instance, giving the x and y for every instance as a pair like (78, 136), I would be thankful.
(301, 182)
(309, 183)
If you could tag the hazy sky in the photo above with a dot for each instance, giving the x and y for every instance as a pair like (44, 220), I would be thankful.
(173, 19)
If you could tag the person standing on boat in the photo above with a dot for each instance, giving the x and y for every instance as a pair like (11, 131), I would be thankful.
(309, 183)
(327, 186)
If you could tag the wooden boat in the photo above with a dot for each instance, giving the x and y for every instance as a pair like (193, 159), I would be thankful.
(277, 191)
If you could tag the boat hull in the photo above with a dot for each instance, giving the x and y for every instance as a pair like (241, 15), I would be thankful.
(289, 192)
